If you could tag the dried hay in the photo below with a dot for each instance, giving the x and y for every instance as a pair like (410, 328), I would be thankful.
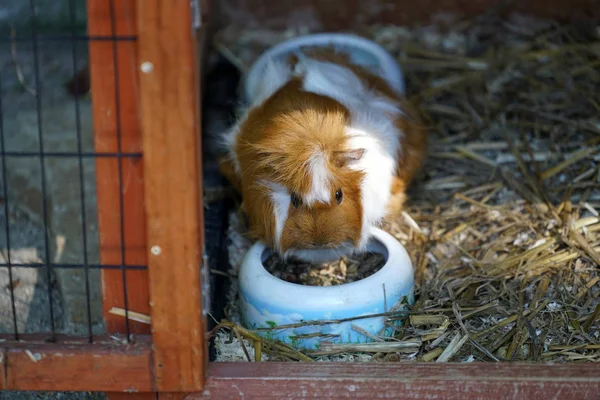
(504, 231)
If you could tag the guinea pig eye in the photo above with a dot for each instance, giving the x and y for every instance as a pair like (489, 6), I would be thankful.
(339, 196)
(296, 201)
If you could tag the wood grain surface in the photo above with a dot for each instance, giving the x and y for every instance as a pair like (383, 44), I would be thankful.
(173, 190)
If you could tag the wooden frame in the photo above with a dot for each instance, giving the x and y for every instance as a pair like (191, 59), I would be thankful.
(158, 115)
(74, 364)
(400, 380)
(334, 15)
(105, 366)
(116, 112)
(172, 152)
(159, 196)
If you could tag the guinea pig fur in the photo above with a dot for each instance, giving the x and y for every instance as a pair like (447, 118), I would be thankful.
(325, 151)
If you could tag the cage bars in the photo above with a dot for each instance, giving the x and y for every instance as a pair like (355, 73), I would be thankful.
(38, 99)
(84, 225)
(113, 30)
(9, 265)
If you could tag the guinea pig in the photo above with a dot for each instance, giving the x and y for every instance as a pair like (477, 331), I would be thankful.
(324, 152)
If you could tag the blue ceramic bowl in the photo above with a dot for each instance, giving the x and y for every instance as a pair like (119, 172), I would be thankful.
(362, 51)
(269, 302)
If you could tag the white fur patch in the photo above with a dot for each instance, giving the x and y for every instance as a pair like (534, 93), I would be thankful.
(280, 200)
(320, 177)
(378, 166)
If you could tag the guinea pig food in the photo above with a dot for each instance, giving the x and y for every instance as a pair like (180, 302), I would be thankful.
(343, 270)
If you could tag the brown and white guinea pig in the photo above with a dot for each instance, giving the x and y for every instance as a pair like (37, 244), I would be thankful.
(325, 151)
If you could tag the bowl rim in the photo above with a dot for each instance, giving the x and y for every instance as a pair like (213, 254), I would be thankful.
(392, 72)
(256, 282)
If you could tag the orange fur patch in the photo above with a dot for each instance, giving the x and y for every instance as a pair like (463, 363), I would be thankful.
(326, 225)
(276, 144)
(279, 138)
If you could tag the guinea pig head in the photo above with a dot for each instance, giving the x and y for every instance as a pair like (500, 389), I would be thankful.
(300, 189)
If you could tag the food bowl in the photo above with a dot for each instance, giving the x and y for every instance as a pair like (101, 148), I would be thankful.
(362, 51)
(269, 302)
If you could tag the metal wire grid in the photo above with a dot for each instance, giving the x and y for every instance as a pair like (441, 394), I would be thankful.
(74, 37)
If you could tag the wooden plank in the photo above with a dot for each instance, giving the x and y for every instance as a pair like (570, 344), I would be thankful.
(113, 70)
(275, 380)
(334, 15)
(172, 396)
(75, 365)
(114, 91)
(146, 396)
(171, 144)
(132, 396)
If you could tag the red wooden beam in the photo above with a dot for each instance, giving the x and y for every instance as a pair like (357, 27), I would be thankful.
(115, 102)
(169, 101)
(147, 396)
(279, 380)
(347, 14)
(72, 364)
(115, 105)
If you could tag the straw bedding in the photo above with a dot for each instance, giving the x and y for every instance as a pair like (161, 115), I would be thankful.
(503, 225)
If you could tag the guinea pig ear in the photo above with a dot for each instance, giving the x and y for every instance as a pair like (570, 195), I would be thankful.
(347, 157)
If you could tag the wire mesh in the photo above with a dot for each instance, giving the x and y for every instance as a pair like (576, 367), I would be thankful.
(121, 208)
(21, 163)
